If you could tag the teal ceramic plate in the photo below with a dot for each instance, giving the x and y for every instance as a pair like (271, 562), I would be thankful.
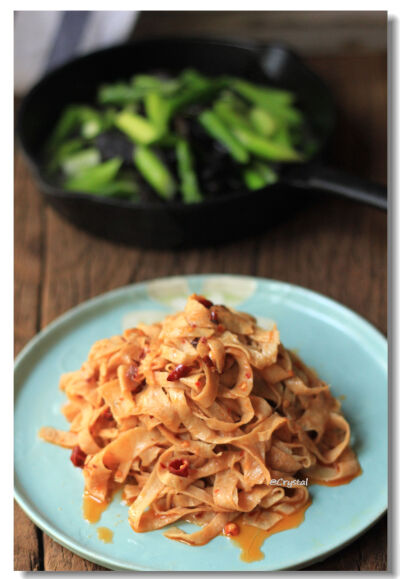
(345, 350)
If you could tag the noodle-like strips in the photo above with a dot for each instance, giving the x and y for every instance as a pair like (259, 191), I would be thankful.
(196, 416)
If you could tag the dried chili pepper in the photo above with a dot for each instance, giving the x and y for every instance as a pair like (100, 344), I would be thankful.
(180, 372)
(78, 457)
(179, 467)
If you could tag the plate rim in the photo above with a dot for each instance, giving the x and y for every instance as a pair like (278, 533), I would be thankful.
(108, 297)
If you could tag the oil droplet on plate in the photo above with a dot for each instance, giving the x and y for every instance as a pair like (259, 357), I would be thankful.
(105, 535)
(251, 539)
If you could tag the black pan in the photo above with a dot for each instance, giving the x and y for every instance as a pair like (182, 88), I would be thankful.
(174, 224)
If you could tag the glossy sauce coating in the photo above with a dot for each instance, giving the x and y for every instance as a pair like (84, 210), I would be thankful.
(251, 539)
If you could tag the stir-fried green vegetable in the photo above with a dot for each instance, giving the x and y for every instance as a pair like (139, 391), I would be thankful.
(189, 186)
(167, 136)
(154, 171)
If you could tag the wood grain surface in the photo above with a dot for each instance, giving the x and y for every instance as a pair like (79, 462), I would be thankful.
(335, 247)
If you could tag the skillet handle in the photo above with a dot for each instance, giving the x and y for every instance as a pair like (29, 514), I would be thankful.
(323, 179)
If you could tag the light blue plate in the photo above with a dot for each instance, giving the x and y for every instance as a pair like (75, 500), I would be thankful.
(345, 350)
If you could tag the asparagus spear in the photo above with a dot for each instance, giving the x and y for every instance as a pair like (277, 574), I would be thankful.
(216, 128)
(265, 148)
(278, 103)
(259, 175)
(119, 188)
(227, 113)
(119, 94)
(154, 171)
(81, 160)
(158, 110)
(263, 122)
(189, 185)
(137, 128)
(149, 83)
(94, 179)
(63, 152)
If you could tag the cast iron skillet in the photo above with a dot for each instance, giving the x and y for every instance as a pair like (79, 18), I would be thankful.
(174, 224)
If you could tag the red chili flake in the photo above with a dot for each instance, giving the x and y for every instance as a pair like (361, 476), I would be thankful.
(248, 375)
(203, 340)
(208, 361)
(142, 355)
(108, 414)
(198, 383)
(231, 530)
(204, 302)
(220, 328)
(180, 372)
(214, 317)
(131, 373)
(78, 457)
(162, 465)
(179, 467)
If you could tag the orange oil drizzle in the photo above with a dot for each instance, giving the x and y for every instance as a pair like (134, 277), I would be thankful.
(105, 535)
(335, 483)
(93, 508)
(250, 539)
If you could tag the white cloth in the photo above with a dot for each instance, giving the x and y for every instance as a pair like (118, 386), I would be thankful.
(37, 35)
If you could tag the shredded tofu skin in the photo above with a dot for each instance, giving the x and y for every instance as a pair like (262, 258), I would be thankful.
(195, 416)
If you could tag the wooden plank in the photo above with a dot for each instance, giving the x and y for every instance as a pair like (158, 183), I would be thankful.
(333, 247)
(57, 558)
(310, 32)
(28, 211)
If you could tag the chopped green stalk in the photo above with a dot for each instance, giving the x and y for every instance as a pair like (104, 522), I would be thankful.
(261, 95)
(259, 175)
(67, 123)
(93, 179)
(137, 128)
(229, 115)
(63, 152)
(158, 110)
(154, 172)
(252, 178)
(282, 136)
(190, 76)
(196, 88)
(148, 83)
(77, 162)
(267, 172)
(119, 188)
(263, 122)
(265, 148)
(84, 119)
(192, 94)
(216, 128)
(91, 128)
(189, 184)
(119, 94)
(277, 102)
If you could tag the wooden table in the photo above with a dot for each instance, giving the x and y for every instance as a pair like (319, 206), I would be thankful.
(335, 247)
